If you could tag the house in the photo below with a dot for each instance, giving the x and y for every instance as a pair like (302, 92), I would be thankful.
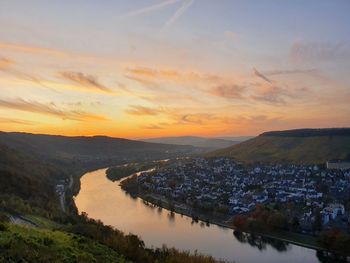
(59, 188)
(324, 217)
(331, 211)
(337, 208)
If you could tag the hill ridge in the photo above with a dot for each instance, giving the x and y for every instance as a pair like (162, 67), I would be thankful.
(292, 146)
(308, 132)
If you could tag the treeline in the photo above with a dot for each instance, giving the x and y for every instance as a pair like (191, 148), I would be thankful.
(264, 220)
(130, 185)
(261, 220)
(309, 132)
(336, 240)
(118, 172)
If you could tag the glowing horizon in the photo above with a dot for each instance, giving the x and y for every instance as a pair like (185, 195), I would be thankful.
(174, 67)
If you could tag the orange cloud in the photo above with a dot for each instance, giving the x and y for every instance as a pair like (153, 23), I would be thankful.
(144, 82)
(33, 49)
(48, 109)
(86, 81)
(6, 63)
(152, 127)
(141, 110)
(172, 75)
(228, 91)
(16, 121)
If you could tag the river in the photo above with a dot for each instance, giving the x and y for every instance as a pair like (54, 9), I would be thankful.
(103, 199)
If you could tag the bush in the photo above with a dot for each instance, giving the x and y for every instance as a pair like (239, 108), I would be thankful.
(2, 227)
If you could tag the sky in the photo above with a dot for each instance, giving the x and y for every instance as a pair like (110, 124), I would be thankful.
(151, 68)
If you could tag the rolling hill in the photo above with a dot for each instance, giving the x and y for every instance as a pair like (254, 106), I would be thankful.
(295, 146)
(89, 148)
(209, 144)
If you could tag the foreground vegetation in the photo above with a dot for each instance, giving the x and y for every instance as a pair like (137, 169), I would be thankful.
(116, 173)
(23, 244)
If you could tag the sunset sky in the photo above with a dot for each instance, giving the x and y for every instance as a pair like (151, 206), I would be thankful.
(149, 68)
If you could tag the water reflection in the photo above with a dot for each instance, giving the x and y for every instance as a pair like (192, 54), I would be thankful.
(260, 242)
(326, 257)
(171, 216)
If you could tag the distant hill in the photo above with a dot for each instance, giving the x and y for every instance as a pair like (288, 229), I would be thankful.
(201, 142)
(295, 146)
(87, 148)
(236, 138)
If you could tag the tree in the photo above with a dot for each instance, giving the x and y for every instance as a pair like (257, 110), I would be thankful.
(240, 222)
(317, 223)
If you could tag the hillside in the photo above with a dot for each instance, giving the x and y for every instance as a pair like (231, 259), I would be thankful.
(296, 146)
(27, 183)
(200, 142)
(87, 148)
(33, 227)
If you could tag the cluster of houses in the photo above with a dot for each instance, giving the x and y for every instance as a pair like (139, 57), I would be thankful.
(222, 183)
(331, 211)
(60, 187)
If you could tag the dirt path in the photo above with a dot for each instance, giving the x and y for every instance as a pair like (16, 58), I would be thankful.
(20, 220)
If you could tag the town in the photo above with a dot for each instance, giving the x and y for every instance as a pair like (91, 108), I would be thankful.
(306, 193)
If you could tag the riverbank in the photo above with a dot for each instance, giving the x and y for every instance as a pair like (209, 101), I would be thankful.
(104, 200)
(302, 240)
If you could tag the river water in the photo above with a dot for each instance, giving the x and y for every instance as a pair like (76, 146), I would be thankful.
(103, 199)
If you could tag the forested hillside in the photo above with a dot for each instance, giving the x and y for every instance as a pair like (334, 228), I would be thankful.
(295, 146)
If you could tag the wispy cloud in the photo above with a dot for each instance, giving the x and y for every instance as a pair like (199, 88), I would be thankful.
(185, 4)
(271, 94)
(277, 95)
(174, 75)
(144, 82)
(228, 91)
(33, 49)
(86, 81)
(7, 65)
(183, 8)
(290, 71)
(260, 75)
(16, 121)
(48, 109)
(302, 52)
(150, 9)
(194, 118)
(142, 110)
(152, 127)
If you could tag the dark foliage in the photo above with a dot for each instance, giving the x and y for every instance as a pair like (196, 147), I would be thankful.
(309, 132)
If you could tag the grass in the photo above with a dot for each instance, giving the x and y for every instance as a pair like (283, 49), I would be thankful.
(24, 244)
(43, 222)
